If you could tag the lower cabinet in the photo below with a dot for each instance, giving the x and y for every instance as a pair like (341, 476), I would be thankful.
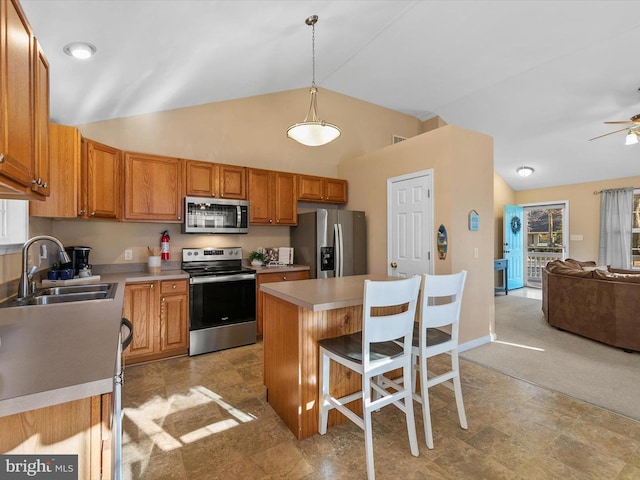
(159, 311)
(78, 428)
(270, 278)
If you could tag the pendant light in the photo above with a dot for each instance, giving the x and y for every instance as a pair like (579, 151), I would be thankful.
(313, 132)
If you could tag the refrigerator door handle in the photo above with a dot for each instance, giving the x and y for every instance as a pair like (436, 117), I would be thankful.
(340, 251)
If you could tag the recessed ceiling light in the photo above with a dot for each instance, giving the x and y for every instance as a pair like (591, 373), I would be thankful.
(525, 171)
(81, 50)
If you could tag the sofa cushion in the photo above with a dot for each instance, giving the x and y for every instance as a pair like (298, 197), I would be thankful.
(580, 264)
(604, 268)
(617, 277)
(568, 268)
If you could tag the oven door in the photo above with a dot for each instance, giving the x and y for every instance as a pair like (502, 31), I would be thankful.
(224, 300)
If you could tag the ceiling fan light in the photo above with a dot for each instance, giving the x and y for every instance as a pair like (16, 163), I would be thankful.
(632, 138)
(525, 171)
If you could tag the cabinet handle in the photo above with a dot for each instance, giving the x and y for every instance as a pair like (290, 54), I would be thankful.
(151, 285)
(1, 157)
(270, 220)
(93, 214)
(179, 218)
(174, 287)
(284, 277)
(44, 185)
(82, 212)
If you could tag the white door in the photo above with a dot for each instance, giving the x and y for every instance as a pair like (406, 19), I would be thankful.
(410, 224)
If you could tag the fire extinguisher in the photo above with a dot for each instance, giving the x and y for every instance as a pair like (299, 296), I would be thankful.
(164, 245)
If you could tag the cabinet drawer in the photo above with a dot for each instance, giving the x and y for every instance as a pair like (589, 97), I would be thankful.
(282, 276)
(168, 287)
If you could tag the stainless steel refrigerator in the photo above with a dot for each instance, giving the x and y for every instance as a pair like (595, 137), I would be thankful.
(332, 242)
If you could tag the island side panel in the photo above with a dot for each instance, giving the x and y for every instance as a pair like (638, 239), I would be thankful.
(281, 359)
(315, 326)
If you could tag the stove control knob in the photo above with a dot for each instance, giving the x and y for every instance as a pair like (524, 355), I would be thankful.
(189, 253)
(196, 253)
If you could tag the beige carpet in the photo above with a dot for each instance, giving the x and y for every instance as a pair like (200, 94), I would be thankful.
(529, 349)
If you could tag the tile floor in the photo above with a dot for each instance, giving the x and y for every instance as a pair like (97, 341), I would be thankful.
(206, 417)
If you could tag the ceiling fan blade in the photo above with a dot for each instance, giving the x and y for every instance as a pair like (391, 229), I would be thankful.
(610, 133)
(622, 122)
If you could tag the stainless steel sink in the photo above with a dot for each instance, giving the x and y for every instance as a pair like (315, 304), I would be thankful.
(65, 294)
(67, 289)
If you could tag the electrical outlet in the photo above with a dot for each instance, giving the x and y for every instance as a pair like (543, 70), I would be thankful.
(475, 252)
(128, 254)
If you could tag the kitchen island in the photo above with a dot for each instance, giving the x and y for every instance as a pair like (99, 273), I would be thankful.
(297, 315)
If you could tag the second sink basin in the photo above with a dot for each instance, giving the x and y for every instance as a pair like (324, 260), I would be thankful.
(67, 289)
(64, 298)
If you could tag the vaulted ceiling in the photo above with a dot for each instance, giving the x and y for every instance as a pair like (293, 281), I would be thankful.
(541, 77)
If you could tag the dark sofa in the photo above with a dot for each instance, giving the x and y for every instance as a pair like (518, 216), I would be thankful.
(600, 303)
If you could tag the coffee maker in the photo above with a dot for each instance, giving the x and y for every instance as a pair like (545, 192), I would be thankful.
(79, 258)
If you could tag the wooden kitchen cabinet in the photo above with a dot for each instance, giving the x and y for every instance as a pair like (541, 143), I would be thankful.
(152, 188)
(100, 181)
(322, 189)
(159, 311)
(204, 179)
(80, 427)
(17, 102)
(272, 197)
(272, 277)
(64, 180)
(41, 184)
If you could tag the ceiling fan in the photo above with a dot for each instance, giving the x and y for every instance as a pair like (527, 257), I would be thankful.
(633, 129)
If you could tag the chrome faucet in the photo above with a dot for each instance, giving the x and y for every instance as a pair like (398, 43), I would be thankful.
(24, 287)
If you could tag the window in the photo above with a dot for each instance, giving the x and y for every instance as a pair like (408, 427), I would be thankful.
(14, 225)
(635, 232)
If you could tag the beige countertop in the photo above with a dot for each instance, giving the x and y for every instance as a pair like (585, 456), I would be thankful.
(319, 295)
(57, 353)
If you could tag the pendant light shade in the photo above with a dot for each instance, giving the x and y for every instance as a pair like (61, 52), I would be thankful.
(313, 132)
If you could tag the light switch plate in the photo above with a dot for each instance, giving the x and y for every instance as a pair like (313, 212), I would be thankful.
(128, 254)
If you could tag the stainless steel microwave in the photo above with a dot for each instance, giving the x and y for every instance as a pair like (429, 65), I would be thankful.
(211, 215)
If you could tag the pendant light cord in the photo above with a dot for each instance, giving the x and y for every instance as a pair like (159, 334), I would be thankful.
(313, 53)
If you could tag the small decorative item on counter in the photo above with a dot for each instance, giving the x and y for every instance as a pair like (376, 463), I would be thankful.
(67, 273)
(257, 258)
(54, 273)
(84, 272)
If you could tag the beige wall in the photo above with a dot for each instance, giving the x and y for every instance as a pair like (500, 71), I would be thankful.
(584, 210)
(462, 163)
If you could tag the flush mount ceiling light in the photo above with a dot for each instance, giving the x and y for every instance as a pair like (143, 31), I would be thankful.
(525, 171)
(313, 132)
(80, 50)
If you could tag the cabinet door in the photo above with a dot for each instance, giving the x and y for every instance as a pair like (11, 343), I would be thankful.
(232, 182)
(16, 97)
(64, 179)
(42, 184)
(200, 179)
(310, 188)
(153, 189)
(140, 308)
(101, 171)
(174, 324)
(271, 278)
(260, 197)
(335, 190)
(286, 206)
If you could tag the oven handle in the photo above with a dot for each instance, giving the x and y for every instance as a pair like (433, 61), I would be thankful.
(222, 278)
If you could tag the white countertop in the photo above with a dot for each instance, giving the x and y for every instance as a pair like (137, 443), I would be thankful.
(57, 353)
(319, 295)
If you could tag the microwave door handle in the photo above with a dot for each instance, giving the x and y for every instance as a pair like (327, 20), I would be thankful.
(238, 216)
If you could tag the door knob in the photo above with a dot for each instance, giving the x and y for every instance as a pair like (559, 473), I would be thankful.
(394, 265)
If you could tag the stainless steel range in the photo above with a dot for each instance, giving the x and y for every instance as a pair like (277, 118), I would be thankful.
(222, 304)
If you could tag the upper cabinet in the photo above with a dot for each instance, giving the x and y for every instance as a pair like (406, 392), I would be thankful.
(17, 144)
(64, 181)
(42, 175)
(272, 197)
(204, 179)
(321, 189)
(100, 181)
(152, 188)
